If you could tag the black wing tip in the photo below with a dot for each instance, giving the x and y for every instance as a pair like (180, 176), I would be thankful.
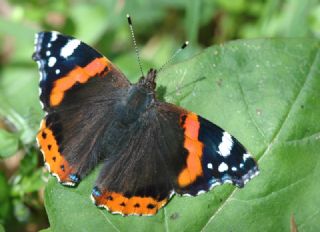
(238, 182)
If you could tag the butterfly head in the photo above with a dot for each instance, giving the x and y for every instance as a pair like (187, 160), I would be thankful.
(149, 81)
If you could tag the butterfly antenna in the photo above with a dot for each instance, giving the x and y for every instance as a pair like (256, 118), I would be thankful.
(134, 43)
(184, 45)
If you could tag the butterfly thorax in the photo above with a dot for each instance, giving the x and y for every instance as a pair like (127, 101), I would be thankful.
(140, 97)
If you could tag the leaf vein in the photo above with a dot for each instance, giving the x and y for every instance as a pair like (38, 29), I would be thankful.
(116, 229)
(165, 220)
(247, 109)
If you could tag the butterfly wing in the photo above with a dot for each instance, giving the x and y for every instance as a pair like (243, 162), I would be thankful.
(169, 150)
(78, 87)
(214, 157)
(139, 179)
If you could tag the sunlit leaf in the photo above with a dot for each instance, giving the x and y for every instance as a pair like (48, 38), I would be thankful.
(266, 93)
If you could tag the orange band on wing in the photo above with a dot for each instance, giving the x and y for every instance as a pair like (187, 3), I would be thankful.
(99, 66)
(117, 203)
(194, 147)
(55, 162)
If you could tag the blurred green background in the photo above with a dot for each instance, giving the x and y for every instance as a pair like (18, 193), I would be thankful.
(160, 26)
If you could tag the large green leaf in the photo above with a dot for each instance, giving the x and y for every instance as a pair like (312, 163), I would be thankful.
(267, 94)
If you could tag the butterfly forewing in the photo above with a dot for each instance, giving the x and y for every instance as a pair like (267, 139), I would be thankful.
(78, 87)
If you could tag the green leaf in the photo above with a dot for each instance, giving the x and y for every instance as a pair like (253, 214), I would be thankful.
(29, 179)
(192, 20)
(8, 144)
(5, 205)
(21, 212)
(46, 230)
(28, 184)
(15, 30)
(266, 93)
(85, 15)
(19, 101)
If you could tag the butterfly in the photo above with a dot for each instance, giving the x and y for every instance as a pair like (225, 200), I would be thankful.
(149, 149)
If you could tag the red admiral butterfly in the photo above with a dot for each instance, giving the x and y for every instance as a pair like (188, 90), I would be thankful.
(149, 149)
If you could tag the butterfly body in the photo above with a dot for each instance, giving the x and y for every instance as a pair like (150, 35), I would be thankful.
(139, 98)
(148, 149)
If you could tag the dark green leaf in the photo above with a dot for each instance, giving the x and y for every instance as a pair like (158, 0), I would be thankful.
(2, 228)
(21, 211)
(29, 163)
(266, 93)
(46, 230)
(4, 199)
(28, 184)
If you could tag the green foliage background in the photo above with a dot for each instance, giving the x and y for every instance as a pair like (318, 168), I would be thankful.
(265, 92)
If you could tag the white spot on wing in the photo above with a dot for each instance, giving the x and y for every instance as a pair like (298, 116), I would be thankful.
(52, 61)
(246, 156)
(42, 105)
(234, 169)
(201, 192)
(46, 164)
(57, 71)
(209, 165)
(36, 39)
(223, 167)
(48, 53)
(226, 145)
(67, 183)
(39, 67)
(187, 195)
(215, 184)
(69, 48)
(54, 36)
(227, 181)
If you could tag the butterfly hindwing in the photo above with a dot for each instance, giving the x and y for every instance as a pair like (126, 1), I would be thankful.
(140, 178)
(78, 87)
(179, 151)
